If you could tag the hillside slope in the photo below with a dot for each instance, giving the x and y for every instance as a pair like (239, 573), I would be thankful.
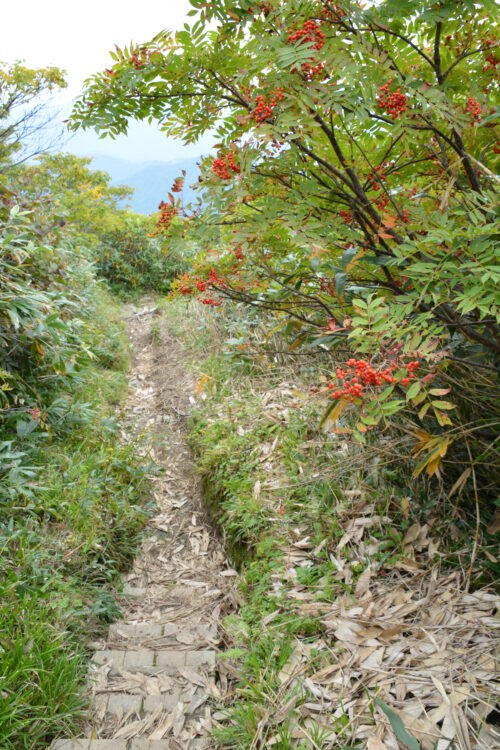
(151, 181)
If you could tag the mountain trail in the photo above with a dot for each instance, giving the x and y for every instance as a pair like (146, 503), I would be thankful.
(152, 679)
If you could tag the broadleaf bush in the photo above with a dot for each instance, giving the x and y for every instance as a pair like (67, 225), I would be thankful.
(353, 193)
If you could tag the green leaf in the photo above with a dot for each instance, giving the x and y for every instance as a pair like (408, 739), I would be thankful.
(340, 282)
(370, 419)
(25, 428)
(392, 407)
(397, 725)
(413, 390)
(423, 411)
(385, 393)
(447, 405)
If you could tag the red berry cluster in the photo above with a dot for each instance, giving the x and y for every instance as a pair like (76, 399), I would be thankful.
(375, 177)
(310, 32)
(214, 302)
(185, 289)
(346, 215)
(238, 253)
(359, 375)
(264, 8)
(215, 280)
(221, 167)
(264, 111)
(247, 91)
(167, 213)
(473, 109)
(378, 175)
(411, 367)
(310, 71)
(394, 104)
(450, 41)
(490, 58)
(490, 62)
(489, 41)
(279, 95)
(382, 202)
(232, 165)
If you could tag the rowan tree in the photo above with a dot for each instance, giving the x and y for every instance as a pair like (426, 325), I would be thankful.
(353, 191)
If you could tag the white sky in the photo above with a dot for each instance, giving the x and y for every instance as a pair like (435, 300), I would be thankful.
(77, 37)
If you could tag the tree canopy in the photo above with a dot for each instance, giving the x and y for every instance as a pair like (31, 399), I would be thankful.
(23, 109)
(353, 192)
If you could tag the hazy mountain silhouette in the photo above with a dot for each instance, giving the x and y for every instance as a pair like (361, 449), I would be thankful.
(151, 180)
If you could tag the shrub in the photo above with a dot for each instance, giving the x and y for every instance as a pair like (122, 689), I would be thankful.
(352, 192)
(129, 257)
(70, 493)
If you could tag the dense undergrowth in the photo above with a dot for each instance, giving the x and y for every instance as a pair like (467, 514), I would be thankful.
(70, 507)
(286, 495)
(72, 493)
(124, 247)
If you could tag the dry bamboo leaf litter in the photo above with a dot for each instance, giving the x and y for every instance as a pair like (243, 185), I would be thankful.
(413, 638)
(410, 635)
(152, 677)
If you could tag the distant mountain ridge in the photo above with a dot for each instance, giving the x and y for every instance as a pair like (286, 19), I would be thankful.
(151, 181)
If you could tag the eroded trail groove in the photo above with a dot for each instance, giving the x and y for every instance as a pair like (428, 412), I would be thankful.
(154, 675)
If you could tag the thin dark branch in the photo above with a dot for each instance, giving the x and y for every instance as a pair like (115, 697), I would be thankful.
(437, 54)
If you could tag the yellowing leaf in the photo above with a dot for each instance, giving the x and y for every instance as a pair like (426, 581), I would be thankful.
(352, 262)
(202, 383)
(442, 418)
(437, 448)
(405, 506)
(433, 466)
(277, 328)
(334, 411)
(297, 342)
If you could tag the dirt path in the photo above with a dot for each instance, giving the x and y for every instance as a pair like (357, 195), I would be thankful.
(154, 676)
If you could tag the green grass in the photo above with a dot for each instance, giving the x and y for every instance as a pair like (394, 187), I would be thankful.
(67, 529)
(40, 671)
